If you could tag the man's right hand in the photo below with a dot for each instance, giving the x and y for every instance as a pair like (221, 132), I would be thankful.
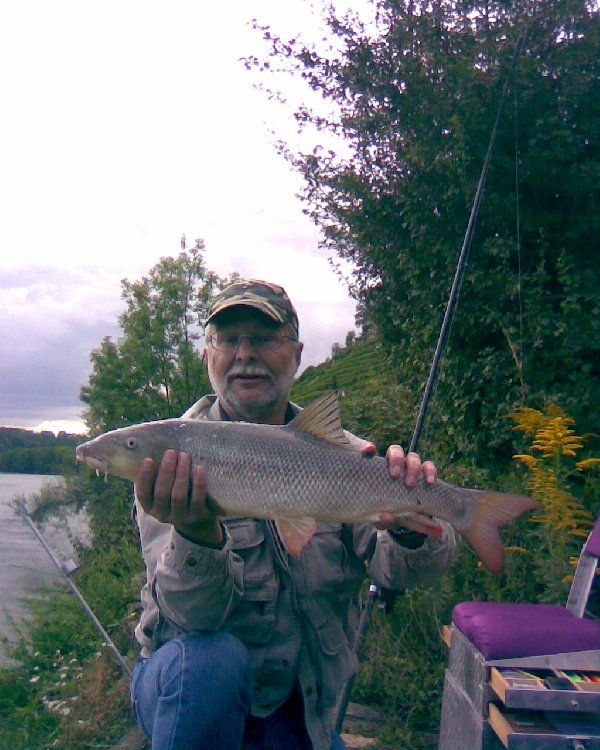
(166, 496)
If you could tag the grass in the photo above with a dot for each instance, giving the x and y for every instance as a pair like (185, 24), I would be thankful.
(63, 701)
(401, 671)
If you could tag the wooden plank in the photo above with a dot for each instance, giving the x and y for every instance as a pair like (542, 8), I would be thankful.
(359, 713)
(446, 635)
(133, 740)
(528, 724)
(356, 742)
(503, 681)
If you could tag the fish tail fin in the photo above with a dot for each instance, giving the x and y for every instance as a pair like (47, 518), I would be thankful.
(492, 511)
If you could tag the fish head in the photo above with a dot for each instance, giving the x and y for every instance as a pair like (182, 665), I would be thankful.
(121, 452)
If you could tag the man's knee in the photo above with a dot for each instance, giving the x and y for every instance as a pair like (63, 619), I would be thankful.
(215, 662)
(220, 656)
(190, 686)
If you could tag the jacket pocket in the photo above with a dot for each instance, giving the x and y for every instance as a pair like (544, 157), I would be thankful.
(327, 625)
(253, 619)
(325, 559)
(337, 661)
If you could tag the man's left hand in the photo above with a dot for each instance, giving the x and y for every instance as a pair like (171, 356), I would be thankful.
(410, 469)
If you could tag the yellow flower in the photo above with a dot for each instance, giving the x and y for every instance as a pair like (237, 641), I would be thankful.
(525, 459)
(587, 463)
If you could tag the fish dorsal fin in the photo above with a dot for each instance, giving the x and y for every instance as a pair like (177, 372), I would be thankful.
(321, 418)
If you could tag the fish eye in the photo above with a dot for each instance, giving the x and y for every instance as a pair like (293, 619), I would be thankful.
(132, 443)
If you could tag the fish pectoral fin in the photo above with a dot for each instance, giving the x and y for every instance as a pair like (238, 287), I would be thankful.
(295, 533)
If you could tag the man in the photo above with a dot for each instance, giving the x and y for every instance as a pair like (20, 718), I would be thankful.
(244, 646)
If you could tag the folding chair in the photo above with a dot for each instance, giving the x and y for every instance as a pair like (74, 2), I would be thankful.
(488, 635)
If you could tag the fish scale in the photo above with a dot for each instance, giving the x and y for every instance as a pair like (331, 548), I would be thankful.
(328, 478)
(302, 473)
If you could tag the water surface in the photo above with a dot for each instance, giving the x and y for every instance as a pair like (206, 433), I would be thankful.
(25, 566)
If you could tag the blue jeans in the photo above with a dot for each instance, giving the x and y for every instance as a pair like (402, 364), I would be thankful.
(195, 693)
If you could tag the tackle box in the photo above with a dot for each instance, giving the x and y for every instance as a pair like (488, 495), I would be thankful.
(540, 703)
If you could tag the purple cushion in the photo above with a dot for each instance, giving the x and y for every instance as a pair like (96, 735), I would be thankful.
(505, 631)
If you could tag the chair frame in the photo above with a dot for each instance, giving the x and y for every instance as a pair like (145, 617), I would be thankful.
(585, 574)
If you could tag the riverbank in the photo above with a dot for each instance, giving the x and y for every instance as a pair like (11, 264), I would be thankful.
(63, 689)
(25, 568)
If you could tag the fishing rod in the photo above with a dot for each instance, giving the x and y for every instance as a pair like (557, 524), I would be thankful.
(76, 593)
(366, 614)
(462, 260)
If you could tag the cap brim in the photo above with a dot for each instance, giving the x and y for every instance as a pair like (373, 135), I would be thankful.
(256, 305)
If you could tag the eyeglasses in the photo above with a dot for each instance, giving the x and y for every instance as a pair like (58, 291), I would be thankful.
(229, 343)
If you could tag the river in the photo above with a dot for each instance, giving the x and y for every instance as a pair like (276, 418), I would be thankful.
(25, 566)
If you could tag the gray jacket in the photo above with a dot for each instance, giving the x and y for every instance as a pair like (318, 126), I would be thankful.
(297, 617)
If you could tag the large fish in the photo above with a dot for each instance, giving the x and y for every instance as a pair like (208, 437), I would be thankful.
(301, 473)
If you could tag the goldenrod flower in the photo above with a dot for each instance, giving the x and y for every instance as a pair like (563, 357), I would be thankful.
(554, 437)
(587, 463)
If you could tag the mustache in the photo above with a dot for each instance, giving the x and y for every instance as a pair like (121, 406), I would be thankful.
(248, 371)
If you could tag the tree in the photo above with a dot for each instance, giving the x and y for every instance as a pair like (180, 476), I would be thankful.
(155, 370)
(413, 96)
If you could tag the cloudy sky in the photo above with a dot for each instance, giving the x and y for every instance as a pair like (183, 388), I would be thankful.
(126, 124)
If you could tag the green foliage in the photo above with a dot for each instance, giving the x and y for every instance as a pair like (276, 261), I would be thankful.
(12, 438)
(373, 404)
(27, 452)
(413, 97)
(58, 460)
(154, 371)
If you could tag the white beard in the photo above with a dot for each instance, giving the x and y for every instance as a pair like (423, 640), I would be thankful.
(262, 405)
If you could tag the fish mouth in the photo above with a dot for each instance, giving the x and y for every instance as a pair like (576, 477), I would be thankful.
(99, 464)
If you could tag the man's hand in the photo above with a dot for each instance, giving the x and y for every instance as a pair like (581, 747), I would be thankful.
(409, 468)
(166, 496)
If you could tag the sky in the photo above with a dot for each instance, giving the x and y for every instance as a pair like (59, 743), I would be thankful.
(125, 125)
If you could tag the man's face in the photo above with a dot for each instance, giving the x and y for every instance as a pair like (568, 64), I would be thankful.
(252, 384)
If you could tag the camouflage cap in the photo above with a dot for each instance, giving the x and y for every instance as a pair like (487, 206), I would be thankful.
(270, 299)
